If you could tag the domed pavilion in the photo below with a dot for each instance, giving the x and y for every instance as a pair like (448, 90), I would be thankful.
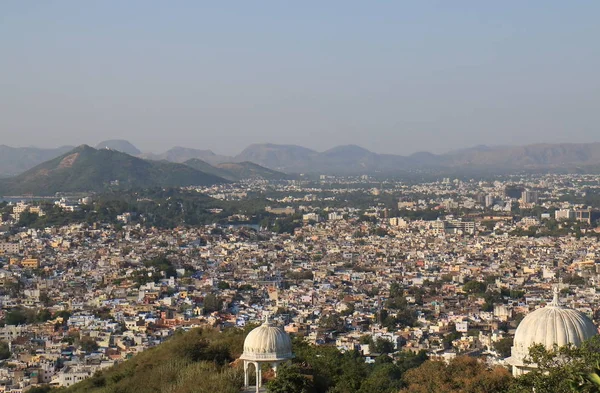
(266, 344)
(552, 325)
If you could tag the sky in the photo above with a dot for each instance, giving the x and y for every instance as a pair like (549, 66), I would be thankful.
(391, 76)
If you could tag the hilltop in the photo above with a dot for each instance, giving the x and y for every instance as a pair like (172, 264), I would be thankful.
(183, 154)
(119, 145)
(87, 169)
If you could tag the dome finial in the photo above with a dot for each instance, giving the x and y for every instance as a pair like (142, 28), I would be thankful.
(555, 300)
(267, 321)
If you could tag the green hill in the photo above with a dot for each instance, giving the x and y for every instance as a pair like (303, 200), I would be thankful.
(236, 170)
(87, 169)
(194, 362)
(250, 170)
(205, 167)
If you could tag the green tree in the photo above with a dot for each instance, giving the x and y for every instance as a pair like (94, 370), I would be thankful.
(290, 380)
(503, 346)
(212, 303)
(474, 287)
(385, 378)
(88, 344)
(559, 369)
(4, 350)
(381, 345)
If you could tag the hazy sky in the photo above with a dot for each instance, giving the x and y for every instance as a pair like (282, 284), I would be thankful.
(391, 76)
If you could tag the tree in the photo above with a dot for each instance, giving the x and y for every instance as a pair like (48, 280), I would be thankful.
(290, 380)
(212, 303)
(560, 370)
(474, 287)
(385, 378)
(15, 317)
(4, 350)
(381, 345)
(503, 346)
(462, 375)
(222, 285)
(88, 344)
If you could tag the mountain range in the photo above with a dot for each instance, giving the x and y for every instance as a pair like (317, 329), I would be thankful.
(87, 169)
(347, 159)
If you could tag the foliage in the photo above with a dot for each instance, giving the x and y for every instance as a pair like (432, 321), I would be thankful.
(474, 287)
(21, 316)
(334, 372)
(503, 346)
(212, 303)
(461, 375)
(88, 344)
(290, 380)
(381, 345)
(193, 362)
(4, 350)
(561, 369)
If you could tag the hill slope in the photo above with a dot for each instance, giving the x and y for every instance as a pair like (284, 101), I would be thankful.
(15, 160)
(196, 361)
(236, 170)
(250, 170)
(205, 167)
(88, 169)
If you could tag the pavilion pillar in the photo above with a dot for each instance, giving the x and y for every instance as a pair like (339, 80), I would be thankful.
(258, 376)
(246, 374)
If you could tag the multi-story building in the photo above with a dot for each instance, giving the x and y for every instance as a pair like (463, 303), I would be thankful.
(529, 197)
(9, 248)
(564, 214)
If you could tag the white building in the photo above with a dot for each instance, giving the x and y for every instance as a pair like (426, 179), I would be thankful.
(552, 325)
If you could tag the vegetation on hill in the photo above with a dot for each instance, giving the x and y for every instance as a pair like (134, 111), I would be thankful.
(204, 360)
(197, 361)
(205, 167)
(249, 170)
(236, 170)
(87, 169)
(163, 208)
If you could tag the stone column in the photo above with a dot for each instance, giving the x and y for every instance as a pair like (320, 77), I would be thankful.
(246, 374)
(258, 376)
(274, 366)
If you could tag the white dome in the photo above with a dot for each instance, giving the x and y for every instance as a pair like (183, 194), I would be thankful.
(267, 343)
(550, 325)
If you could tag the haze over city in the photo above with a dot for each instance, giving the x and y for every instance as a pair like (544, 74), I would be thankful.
(393, 77)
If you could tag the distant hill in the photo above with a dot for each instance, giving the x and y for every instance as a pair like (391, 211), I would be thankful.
(15, 160)
(119, 145)
(205, 167)
(236, 170)
(278, 157)
(250, 170)
(88, 169)
(183, 154)
(353, 159)
(529, 156)
(344, 160)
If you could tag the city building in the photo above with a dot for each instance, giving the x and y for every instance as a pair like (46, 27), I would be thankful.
(529, 197)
